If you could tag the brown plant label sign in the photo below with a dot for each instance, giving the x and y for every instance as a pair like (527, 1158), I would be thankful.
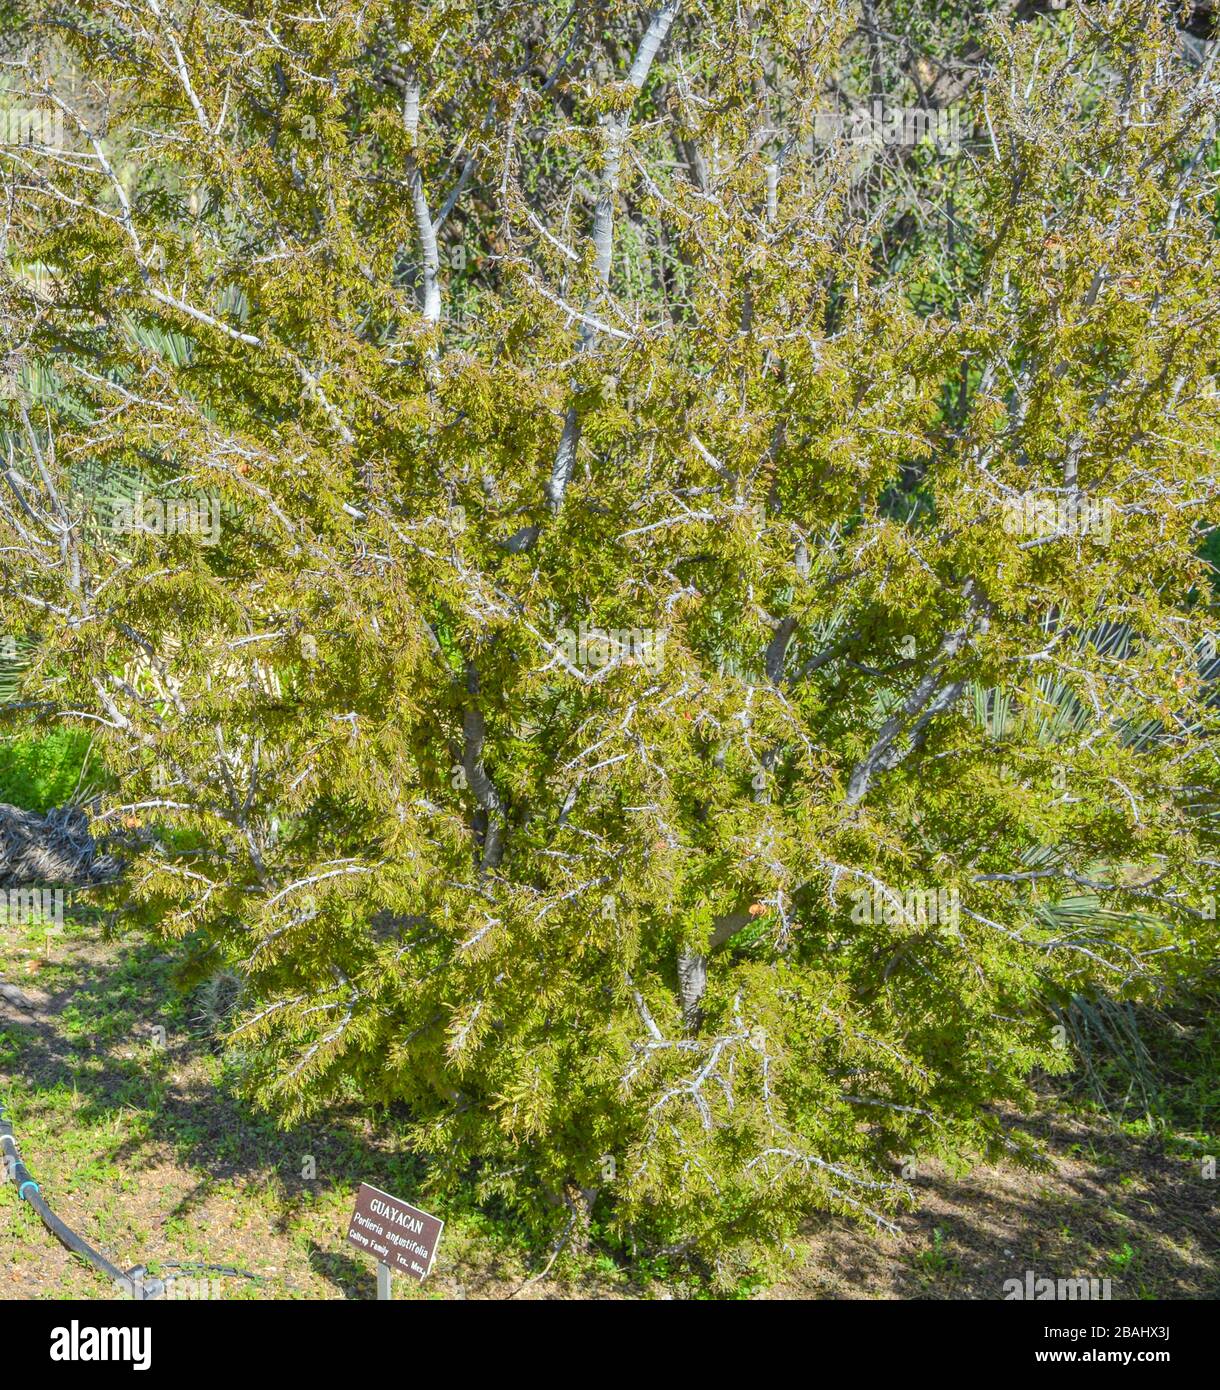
(399, 1234)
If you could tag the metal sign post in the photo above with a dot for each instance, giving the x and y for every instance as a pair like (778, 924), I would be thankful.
(384, 1287)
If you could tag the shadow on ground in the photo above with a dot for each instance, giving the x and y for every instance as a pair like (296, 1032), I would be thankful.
(168, 1163)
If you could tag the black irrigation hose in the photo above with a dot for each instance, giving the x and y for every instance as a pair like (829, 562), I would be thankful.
(135, 1281)
(29, 1191)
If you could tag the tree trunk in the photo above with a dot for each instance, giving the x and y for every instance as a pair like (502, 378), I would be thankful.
(692, 982)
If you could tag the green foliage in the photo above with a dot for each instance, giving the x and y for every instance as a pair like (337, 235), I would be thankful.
(1154, 1063)
(636, 927)
(38, 773)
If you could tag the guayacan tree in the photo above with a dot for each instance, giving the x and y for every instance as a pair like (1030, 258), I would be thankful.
(638, 572)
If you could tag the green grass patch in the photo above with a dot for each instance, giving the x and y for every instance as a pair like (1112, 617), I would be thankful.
(38, 772)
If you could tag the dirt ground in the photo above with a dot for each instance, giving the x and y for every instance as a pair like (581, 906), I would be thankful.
(139, 1146)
